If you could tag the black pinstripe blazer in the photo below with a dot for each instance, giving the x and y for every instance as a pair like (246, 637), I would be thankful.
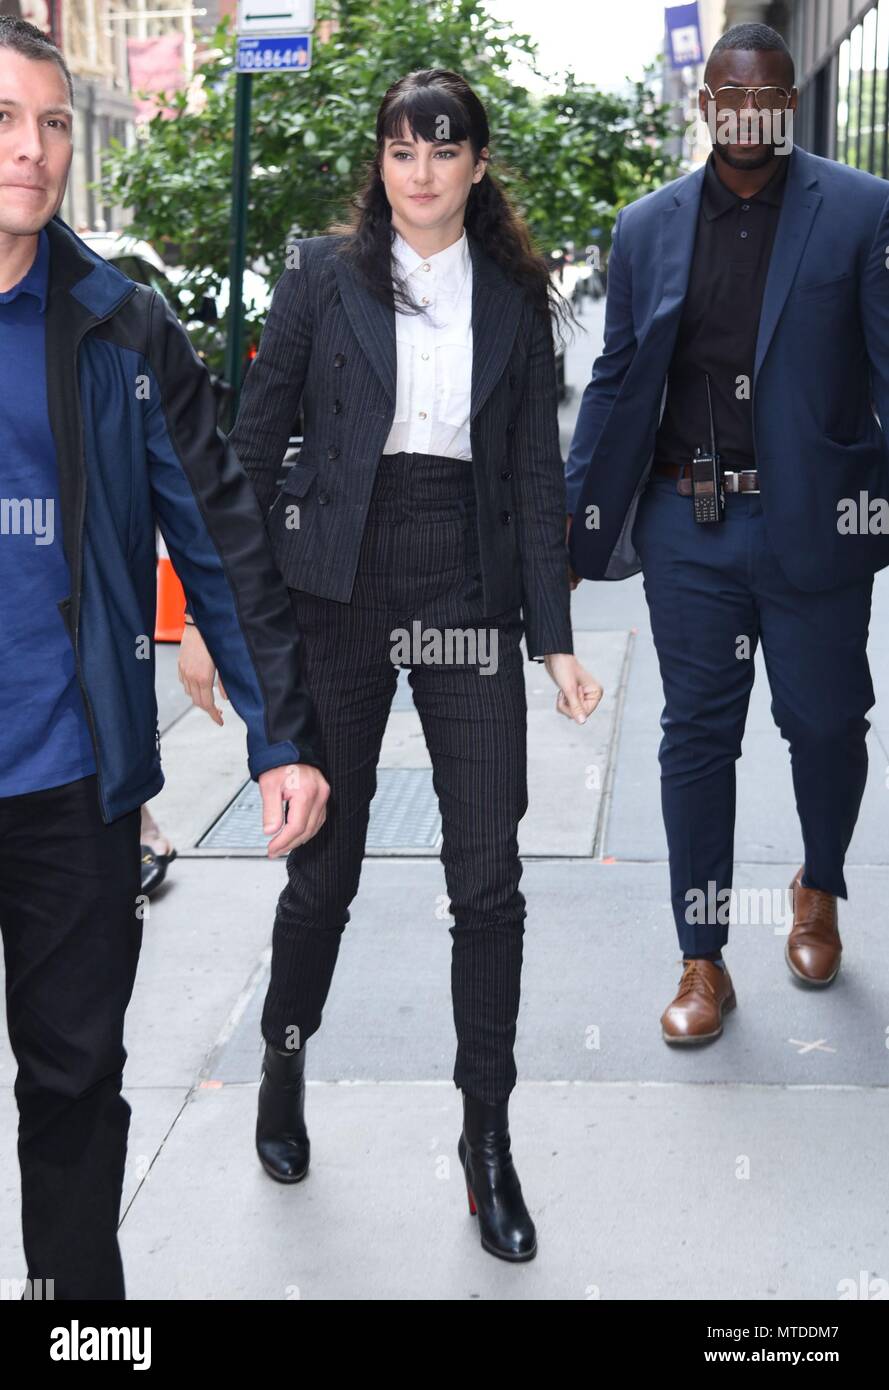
(331, 343)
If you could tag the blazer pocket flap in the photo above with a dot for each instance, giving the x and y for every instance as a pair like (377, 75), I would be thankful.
(823, 286)
(299, 477)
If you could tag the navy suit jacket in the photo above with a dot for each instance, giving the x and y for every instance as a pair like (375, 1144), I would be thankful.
(821, 371)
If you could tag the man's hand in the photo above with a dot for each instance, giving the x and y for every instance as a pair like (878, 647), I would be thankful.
(305, 791)
(197, 671)
(573, 579)
(579, 692)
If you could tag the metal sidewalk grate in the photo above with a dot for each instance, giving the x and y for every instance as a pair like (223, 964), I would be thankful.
(404, 815)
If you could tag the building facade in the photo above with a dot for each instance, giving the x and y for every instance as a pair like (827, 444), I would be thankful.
(841, 49)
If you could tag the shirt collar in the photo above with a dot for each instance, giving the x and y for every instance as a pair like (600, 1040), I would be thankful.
(449, 264)
(36, 281)
(718, 198)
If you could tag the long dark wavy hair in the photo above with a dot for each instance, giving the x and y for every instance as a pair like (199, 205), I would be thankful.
(419, 101)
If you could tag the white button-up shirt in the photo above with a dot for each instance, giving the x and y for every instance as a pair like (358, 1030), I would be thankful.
(434, 354)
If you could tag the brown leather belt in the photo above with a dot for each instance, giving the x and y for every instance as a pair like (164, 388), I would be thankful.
(743, 480)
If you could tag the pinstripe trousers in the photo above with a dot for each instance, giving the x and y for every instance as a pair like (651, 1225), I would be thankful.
(418, 564)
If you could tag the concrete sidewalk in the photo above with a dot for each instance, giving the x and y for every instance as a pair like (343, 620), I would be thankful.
(749, 1169)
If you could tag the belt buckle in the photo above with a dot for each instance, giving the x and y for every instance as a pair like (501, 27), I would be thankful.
(738, 474)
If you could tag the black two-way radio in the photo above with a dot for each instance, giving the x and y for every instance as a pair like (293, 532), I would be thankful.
(707, 490)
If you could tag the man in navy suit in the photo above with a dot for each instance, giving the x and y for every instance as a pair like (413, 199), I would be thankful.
(748, 306)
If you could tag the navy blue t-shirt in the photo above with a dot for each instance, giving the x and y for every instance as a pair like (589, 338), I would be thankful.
(44, 736)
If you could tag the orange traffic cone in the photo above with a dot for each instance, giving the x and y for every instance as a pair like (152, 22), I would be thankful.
(170, 599)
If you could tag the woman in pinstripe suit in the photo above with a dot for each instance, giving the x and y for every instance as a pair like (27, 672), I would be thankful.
(428, 500)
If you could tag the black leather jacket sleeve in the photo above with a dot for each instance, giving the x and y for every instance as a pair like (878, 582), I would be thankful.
(214, 529)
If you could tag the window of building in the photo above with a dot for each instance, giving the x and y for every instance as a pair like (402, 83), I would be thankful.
(881, 90)
(862, 112)
(843, 101)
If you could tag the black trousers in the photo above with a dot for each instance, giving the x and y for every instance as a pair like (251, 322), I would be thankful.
(418, 564)
(71, 938)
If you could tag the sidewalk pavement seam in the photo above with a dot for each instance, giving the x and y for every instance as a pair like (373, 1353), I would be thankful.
(599, 838)
(254, 980)
(125, 1209)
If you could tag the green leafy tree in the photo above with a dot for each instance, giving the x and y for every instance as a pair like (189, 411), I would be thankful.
(570, 160)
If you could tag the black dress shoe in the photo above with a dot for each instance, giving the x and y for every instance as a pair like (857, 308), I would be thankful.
(154, 868)
(281, 1139)
(492, 1183)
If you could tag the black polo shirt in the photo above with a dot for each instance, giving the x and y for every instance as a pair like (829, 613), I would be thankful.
(720, 321)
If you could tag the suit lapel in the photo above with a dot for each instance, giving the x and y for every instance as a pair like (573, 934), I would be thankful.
(496, 310)
(795, 219)
(679, 224)
(372, 321)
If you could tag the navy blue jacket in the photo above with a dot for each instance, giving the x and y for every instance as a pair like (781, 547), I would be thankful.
(133, 417)
(822, 365)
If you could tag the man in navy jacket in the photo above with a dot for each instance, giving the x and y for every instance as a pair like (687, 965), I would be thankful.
(107, 429)
(753, 292)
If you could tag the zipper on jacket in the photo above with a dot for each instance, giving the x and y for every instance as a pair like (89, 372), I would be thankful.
(91, 721)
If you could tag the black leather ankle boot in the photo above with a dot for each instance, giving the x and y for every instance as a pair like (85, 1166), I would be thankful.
(492, 1183)
(281, 1139)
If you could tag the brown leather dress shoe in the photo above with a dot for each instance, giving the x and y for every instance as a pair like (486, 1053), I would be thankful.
(705, 994)
(813, 947)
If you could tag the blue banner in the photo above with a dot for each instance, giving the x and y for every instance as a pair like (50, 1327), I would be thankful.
(683, 27)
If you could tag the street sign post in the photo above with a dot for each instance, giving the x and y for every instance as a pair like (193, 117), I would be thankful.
(273, 36)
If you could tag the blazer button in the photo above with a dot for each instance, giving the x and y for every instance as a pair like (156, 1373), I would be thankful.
(512, 379)
(337, 407)
(333, 452)
(510, 428)
(506, 518)
(339, 360)
(506, 474)
(323, 499)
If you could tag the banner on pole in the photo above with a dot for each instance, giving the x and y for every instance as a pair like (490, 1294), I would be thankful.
(683, 28)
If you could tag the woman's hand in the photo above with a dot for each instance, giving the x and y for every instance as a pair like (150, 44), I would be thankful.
(196, 673)
(579, 692)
